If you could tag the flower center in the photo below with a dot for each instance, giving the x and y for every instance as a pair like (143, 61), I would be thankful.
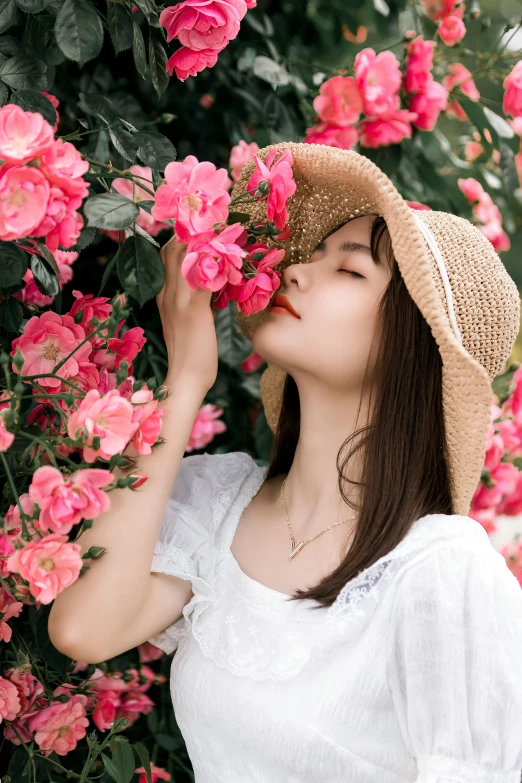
(193, 202)
(50, 351)
(63, 731)
(47, 564)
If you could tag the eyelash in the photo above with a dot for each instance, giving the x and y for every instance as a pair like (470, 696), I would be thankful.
(350, 272)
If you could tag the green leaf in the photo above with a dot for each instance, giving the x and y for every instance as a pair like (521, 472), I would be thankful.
(9, 45)
(157, 66)
(13, 264)
(148, 8)
(107, 272)
(11, 314)
(110, 767)
(31, 6)
(140, 269)
(270, 71)
(86, 237)
(233, 347)
(138, 50)
(502, 127)
(46, 281)
(120, 26)
(123, 759)
(508, 167)
(110, 210)
(32, 100)
(124, 142)
(100, 106)
(24, 71)
(144, 758)
(78, 31)
(38, 39)
(155, 150)
(7, 14)
(477, 117)
(46, 253)
(3, 93)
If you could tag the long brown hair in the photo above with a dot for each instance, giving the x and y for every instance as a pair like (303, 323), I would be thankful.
(404, 470)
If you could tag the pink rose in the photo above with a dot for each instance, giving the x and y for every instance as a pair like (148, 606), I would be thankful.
(389, 130)
(49, 565)
(459, 76)
(61, 224)
(339, 102)
(452, 30)
(24, 195)
(256, 293)
(419, 64)
(47, 339)
(9, 701)
(195, 195)
(127, 346)
(471, 188)
(136, 193)
(332, 135)
(109, 417)
(378, 78)
(157, 773)
(496, 235)
(212, 260)
(90, 307)
(31, 694)
(6, 437)
(64, 501)
(64, 167)
(253, 361)
(428, 104)
(205, 427)
(440, 9)
(186, 62)
(148, 418)
(512, 103)
(239, 155)
(280, 177)
(203, 24)
(24, 135)
(58, 727)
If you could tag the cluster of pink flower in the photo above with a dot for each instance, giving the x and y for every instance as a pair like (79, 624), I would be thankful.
(218, 258)
(41, 181)
(448, 13)
(203, 28)
(512, 105)
(486, 212)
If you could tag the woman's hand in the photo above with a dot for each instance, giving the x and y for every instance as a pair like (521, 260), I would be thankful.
(188, 324)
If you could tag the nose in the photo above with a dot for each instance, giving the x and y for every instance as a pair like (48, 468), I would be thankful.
(294, 273)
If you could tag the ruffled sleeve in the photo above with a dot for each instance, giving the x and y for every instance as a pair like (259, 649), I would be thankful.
(454, 664)
(185, 547)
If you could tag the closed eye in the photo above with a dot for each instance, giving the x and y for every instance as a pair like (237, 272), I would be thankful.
(351, 272)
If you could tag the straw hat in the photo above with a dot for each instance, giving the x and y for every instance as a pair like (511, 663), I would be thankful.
(450, 269)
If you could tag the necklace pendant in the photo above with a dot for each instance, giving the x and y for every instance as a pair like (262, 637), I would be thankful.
(295, 549)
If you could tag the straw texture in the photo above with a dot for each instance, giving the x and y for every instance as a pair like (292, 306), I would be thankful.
(334, 185)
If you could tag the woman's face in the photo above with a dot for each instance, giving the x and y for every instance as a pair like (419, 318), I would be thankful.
(336, 295)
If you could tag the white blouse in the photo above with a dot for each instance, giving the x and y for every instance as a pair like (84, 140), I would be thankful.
(414, 673)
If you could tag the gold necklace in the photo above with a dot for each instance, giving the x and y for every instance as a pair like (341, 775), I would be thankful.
(295, 548)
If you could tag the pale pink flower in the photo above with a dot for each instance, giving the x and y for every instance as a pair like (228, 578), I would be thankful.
(109, 418)
(148, 418)
(48, 565)
(332, 135)
(440, 9)
(496, 235)
(239, 154)
(471, 188)
(378, 78)
(512, 102)
(205, 427)
(212, 260)
(510, 436)
(6, 437)
(419, 64)
(24, 195)
(452, 30)
(9, 701)
(428, 104)
(132, 190)
(339, 101)
(61, 224)
(195, 194)
(157, 773)
(278, 173)
(187, 62)
(390, 130)
(24, 135)
(12, 521)
(64, 167)
(516, 124)
(46, 340)
(65, 501)
(58, 727)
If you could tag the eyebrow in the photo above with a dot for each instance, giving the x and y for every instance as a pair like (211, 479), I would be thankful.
(348, 246)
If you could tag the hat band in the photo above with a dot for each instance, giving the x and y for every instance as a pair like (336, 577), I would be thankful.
(432, 242)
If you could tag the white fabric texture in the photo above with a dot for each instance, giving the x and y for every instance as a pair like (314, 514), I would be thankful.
(413, 674)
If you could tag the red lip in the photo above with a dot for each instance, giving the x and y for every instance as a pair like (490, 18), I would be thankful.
(280, 302)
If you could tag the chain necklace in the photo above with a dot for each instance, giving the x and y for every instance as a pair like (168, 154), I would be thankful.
(295, 548)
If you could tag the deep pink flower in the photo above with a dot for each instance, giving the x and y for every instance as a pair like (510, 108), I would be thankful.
(253, 361)
(339, 101)
(332, 135)
(205, 427)
(212, 260)
(24, 195)
(419, 64)
(428, 104)
(47, 339)
(6, 437)
(256, 293)
(49, 565)
(440, 9)
(24, 135)
(378, 78)
(148, 418)
(471, 188)
(58, 727)
(459, 76)
(452, 30)
(187, 62)
(239, 154)
(278, 173)
(64, 501)
(390, 130)
(91, 307)
(203, 24)
(127, 346)
(512, 103)
(157, 773)
(195, 195)
(108, 417)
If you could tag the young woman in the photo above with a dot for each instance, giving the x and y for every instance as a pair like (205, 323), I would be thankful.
(336, 616)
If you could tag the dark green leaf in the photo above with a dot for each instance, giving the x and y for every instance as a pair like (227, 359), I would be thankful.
(9, 45)
(13, 264)
(107, 272)
(157, 66)
(100, 106)
(239, 217)
(508, 167)
(149, 10)
(140, 269)
(123, 759)
(110, 768)
(78, 30)
(46, 281)
(120, 26)
(46, 253)
(11, 314)
(233, 347)
(31, 6)
(3, 93)
(155, 150)
(138, 50)
(110, 210)
(124, 142)
(86, 237)
(32, 100)
(38, 39)
(7, 14)
(143, 755)
(24, 72)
